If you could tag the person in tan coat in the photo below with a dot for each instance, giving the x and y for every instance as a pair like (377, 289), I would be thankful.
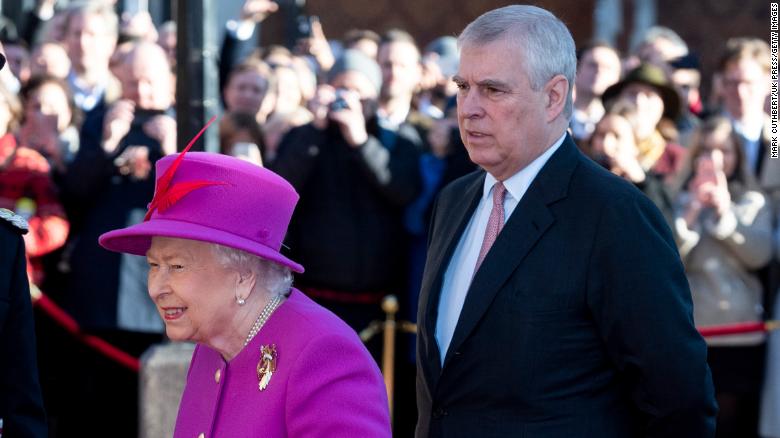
(723, 229)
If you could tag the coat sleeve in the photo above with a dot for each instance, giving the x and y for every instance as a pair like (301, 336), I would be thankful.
(297, 155)
(336, 390)
(21, 406)
(394, 172)
(746, 230)
(89, 171)
(641, 302)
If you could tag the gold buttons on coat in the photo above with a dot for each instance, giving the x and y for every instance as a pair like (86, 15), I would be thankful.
(217, 375)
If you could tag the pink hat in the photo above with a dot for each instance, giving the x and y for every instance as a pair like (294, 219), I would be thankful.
(214, 198)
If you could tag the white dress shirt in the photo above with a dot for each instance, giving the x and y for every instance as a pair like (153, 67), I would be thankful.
(751, 137)
(460, 271)
(84, 97)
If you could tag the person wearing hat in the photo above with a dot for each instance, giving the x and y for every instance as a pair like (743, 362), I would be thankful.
(269, 361)
(658, 105)
(686, 78)
(355, 179)
(439, 61)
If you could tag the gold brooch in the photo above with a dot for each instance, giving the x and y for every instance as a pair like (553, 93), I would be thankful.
(266, 366)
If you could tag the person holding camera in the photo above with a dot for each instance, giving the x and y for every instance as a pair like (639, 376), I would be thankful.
(105, 292)
(723, 230)
(354, 187)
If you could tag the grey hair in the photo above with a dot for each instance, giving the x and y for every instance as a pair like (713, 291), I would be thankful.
(106, 12)
(546, 42)
(664, 33)
(273, 277)
(168, 26)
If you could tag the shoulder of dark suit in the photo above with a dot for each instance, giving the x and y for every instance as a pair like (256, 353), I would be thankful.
(13, 221)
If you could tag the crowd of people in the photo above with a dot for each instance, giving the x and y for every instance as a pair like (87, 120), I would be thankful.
(365, 129)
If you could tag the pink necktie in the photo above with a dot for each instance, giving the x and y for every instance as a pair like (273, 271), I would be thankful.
(495, 223)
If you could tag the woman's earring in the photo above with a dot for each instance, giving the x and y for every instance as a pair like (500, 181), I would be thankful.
(240, 301)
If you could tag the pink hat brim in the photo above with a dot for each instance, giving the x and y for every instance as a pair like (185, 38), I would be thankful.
(137, 239)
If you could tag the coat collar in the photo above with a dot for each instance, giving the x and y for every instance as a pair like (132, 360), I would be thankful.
(527, 224)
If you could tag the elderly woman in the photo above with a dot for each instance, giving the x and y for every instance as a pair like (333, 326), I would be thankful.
(269, 361)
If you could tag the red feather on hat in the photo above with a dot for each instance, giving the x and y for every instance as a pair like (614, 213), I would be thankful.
(165, 194)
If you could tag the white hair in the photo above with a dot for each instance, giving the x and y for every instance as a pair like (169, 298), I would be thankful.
(273, 277)
(664, 33)
(546, 42)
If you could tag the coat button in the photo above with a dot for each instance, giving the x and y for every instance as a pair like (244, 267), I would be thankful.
(217, 375)
(439, 412)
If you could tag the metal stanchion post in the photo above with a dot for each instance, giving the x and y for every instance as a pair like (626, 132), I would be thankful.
(389, 326)
(390, 307)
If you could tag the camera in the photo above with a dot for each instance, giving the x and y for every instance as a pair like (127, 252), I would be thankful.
(340, 103)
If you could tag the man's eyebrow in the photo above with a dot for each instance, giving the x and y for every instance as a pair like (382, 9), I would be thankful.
(493, 83)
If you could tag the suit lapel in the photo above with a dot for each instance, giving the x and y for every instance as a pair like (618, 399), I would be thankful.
(528, 223)
(456, 215)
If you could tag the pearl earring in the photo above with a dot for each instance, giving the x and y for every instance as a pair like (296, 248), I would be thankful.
(240, 301)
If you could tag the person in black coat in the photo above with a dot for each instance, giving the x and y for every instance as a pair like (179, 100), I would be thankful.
(21, 405)
(554, 303)
(355, 179)
(112, 177)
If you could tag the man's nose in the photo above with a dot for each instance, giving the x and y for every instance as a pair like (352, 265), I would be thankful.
(469, 105)
(743, 90)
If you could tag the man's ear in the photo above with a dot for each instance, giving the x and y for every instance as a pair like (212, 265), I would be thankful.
(556, 91)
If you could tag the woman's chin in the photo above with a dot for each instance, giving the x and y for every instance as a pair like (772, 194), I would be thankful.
(175, 335)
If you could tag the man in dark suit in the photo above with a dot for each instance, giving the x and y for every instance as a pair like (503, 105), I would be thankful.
(554, 303)
(21, 406)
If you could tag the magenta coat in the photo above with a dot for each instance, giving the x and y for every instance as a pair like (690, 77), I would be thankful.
(326, 384)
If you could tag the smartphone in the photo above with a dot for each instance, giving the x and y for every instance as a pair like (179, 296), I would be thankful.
(142, 116)
(304, 25)
(705, 169)
(47, 121)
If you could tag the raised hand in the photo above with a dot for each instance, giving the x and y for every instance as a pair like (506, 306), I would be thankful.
(116, 125)
(163, 129)
(350, 119)
(257, 10)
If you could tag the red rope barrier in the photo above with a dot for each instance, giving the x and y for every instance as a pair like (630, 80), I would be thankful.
(739, 328)
(71, 326)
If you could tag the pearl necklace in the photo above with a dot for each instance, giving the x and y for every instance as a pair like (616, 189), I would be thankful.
(264, 315)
